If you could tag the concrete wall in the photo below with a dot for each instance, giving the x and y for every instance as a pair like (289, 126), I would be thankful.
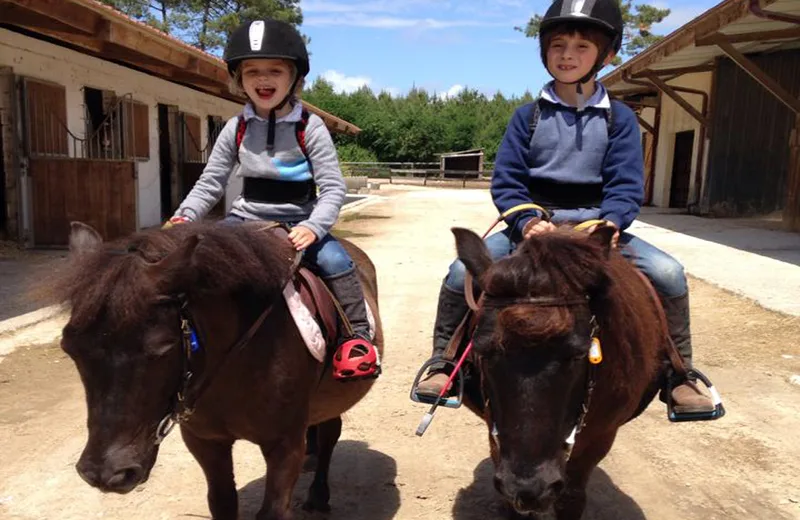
(675, 119)
(40, 60)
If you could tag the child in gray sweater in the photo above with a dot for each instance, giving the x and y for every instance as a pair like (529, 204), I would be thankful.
(283, 155)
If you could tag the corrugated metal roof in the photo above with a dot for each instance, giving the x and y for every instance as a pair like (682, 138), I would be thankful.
(680, 49)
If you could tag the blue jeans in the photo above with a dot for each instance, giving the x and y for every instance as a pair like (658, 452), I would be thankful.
(325, 257)
(663, 270)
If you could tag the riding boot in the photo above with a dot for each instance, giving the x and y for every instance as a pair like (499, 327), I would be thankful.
(686, 396)
(348, 291)
(451, 310)
(356, 357)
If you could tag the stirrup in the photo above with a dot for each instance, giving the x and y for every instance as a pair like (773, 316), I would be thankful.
(719, 409)
(448, 401)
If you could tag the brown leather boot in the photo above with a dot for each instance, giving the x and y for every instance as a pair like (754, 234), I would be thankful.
(432, 385)
(450, 311)
(689, 398)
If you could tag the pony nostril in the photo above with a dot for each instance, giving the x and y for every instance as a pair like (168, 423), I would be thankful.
(125, 479)
(557, 487)
(526, 500)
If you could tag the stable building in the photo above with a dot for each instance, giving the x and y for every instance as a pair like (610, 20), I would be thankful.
(104, 120)
(718, 105)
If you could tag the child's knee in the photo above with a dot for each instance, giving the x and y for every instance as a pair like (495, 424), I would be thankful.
(669, 277)
(456, 276)
(334, 262)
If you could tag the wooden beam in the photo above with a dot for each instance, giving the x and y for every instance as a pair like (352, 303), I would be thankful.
(762, 36)
(764, 79)
(666, 89)
(66, 12)
(78, 40)
(706, 67)
(791, 212)
(646, 125)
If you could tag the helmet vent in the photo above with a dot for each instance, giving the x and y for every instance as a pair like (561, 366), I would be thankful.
(256, 35)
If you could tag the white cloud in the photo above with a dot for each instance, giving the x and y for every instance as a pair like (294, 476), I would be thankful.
(375, 6)
(451, 92)
(343, 83)
(395, 22)
(392, 91)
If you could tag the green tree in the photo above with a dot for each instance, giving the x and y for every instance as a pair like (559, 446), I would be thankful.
(157, 13)
(637, 36)
(206, 24)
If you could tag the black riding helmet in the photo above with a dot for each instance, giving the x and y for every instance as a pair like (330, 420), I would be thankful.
(270, 39)
(604, 15)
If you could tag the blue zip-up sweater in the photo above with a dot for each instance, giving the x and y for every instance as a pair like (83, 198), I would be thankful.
(571, 166)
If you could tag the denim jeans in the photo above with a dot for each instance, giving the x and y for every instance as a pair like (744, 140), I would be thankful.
(326, 256)
(663, 270)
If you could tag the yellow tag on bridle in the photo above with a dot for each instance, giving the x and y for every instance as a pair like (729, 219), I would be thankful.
(595, 352)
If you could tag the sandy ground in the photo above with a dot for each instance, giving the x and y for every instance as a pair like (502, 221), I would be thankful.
(745, 466)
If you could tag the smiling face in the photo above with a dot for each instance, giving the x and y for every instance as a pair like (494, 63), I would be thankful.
(570, 57)
(266, 82)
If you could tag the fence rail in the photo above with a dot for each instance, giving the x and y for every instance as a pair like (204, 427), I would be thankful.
(405, 171)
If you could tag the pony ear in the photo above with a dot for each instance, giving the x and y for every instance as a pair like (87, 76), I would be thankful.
(602, 236)
(472, 251)
(83, 238)
(175, 261)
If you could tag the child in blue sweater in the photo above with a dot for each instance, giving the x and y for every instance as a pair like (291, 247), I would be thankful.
(582, 162)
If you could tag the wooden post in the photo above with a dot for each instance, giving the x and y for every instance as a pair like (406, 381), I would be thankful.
(8, 126)
(791, 212)
(175, 156)
(671, 92)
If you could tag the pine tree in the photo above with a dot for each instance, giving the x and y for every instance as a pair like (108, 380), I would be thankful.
(637, 36)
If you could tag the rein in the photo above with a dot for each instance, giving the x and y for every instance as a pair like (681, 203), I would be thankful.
(489, 301)
(184, 403)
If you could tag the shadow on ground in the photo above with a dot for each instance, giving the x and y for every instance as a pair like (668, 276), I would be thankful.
(605, 501)
(362, 483)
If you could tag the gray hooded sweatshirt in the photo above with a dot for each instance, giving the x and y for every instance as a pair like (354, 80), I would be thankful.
(286, 163)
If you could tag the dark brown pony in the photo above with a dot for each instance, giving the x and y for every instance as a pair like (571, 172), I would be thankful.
(531, 378)
(125, 337)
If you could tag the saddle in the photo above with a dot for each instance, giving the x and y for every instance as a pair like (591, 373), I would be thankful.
(314, 294)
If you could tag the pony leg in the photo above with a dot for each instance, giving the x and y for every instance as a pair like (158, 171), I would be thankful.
(572, 501)
(284, 463)
(310, 464)
(216, 460)
(319, 494)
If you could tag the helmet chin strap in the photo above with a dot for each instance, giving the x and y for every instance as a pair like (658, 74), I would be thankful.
(273, 117)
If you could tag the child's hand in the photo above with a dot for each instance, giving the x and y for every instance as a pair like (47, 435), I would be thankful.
(302, 237)
(537, 227)
(614, 239)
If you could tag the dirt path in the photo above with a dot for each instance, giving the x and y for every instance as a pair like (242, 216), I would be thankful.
(746, 466)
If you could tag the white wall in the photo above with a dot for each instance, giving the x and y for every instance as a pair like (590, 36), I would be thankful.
(675, 119)
(36, 59)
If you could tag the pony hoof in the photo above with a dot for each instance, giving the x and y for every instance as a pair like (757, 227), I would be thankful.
(311, 505)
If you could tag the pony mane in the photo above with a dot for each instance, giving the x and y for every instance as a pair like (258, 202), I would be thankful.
(117, 281)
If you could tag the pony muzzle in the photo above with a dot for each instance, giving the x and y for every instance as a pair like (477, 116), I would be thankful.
(535, 494)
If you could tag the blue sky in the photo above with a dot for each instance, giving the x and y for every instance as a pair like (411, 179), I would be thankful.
(440, 45)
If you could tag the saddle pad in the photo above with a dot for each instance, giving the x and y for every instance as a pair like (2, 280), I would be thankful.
(309, 329)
